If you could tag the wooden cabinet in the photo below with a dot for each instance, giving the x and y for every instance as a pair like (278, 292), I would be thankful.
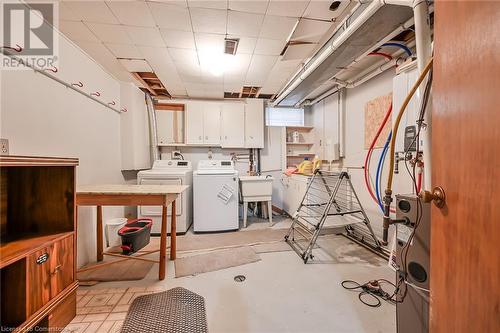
(37, 248)
(233, 125)
(254, 123)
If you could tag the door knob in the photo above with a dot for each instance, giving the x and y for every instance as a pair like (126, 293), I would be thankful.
(437, 196)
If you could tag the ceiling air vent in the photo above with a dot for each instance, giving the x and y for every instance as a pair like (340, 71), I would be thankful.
(231, 44)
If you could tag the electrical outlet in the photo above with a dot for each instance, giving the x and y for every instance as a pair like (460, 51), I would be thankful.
(4, 146)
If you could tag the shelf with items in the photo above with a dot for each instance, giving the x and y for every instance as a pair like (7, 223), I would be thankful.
(299, 142)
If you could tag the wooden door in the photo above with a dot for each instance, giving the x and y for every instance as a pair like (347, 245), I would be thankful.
(194, 123)
(211, 123)
(233, 125)
(465, 236)
(61, 265)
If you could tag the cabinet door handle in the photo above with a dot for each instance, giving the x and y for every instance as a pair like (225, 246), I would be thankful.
(199, 138)
(206, 137)
(225, 137)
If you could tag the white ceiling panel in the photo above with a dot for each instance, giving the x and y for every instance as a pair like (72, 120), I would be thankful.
(75, 30)
(178, 39)
(110, 33)
(170, 16)
(66, 13)
(145, 36)
(233, 86)
(156, 56)
(246, 45)
(301, 51)
(211, 4)
(94, 11)
(290, 8)
(209, 42)
(321, 10)
(269, 46)
(237, 66)
(244, 24)
(183, 55)
(124, 50)
(135, 65)
(135, 13)
(209, 20)
(277, 27)
(259, 69)
(310, 30)
(249, 6)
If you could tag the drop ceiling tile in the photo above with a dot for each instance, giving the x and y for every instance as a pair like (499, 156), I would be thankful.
(310, 30)
(321, 10)
(66, 13)
(244, 24)
(269, 46)
(249, 6)
(246, 45)
(233, 86)
(212, 4)
(299, 51)
(178, 39)
(259, 69)
(145, 36)
(237, 65)
(156, 56)
(136, 65)
(92, 11)
(183, 55)
(110, 33)
(123, 50)
(290, 8)
(104, 58)
(277, 27)
(75, 30)
(170, 16)
(135, 13)
(209, 42)
(209, 20)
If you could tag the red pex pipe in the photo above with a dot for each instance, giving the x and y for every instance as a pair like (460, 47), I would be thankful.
(388, 56)
(370, 150)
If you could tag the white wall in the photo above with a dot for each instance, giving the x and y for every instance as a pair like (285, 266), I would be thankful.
(355, 152)
(41, 117)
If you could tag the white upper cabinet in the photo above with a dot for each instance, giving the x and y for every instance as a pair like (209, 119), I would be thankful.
(233, 125)
(254, 123)
(211, 124)
(194, 123)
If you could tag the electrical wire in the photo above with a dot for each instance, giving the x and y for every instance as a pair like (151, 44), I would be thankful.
(372, 290)
(400, 45)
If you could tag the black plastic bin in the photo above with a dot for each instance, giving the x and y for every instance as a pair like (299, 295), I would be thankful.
(135, 235)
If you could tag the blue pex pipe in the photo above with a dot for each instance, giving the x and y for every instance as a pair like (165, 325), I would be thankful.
(380, 166)
(404, 47)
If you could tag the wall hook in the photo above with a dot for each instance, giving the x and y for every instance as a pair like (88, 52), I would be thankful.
(112, 103)
(97, 94)
(18, 48)
(79, 84)
(53, 69)
(124, 110)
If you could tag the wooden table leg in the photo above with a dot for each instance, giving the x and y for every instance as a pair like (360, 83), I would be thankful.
(163, 244)
(173, 235)
(99, 234)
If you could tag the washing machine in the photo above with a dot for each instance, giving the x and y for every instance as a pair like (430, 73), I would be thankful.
(215, 196)
(169, 172)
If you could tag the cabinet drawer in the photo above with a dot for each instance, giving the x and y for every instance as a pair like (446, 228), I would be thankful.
(63, 313)
(50, 270)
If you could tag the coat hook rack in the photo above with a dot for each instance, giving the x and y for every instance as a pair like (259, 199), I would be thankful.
(112, 103)
(53, 69)
(18, 48)
(79, 84)
(124, 110)
(95, 94)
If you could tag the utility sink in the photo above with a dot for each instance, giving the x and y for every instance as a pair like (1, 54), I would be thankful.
(256, 188)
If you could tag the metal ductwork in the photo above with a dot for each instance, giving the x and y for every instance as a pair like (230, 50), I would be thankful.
(368, 24)
(153, 138)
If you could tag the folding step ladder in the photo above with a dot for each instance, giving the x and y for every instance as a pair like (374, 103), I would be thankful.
(329, 201)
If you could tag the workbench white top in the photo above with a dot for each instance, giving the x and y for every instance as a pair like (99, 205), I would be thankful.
(131, 189)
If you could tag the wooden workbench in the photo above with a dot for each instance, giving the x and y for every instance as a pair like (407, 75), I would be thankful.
(134, 195)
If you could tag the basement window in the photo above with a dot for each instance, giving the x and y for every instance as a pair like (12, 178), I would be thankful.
(284, 116)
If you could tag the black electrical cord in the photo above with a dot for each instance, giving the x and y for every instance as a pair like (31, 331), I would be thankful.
(371, 290)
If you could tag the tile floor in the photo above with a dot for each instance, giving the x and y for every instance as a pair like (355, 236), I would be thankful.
(280, 294)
